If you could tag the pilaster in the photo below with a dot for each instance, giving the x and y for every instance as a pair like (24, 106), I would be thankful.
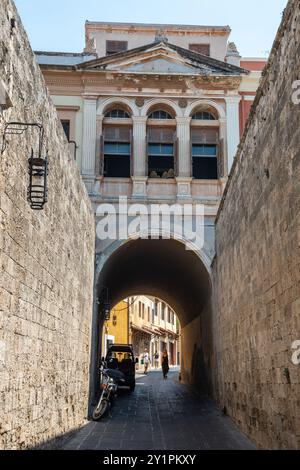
(233, 128)
(88, 165)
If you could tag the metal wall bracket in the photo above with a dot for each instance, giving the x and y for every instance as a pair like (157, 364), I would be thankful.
(37, 192)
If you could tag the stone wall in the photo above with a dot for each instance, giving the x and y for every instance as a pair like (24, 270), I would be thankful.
(197, 352)
(256, 270)
(47, 261)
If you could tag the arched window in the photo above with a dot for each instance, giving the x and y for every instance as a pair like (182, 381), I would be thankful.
(206, 146)
(116, 145)
(160, 114)
(161, 145)
(117, 114)
(203, 115)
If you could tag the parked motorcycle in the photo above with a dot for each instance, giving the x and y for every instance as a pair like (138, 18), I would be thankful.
(109, 381)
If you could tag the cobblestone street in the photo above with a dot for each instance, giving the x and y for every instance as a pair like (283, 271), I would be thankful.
(161, 415)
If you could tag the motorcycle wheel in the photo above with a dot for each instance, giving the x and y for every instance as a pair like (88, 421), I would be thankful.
(100, 409)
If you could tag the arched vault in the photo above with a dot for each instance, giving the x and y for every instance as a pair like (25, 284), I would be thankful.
(161, 268)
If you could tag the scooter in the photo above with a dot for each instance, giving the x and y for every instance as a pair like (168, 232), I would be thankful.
(109, 381)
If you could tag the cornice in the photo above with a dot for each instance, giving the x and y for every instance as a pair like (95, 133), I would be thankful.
(92, 78)
(67, 108)
(131, 28)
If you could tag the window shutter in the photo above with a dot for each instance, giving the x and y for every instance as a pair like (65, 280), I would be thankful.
(191, 159)
(124, 134)
(131, 154)
(117, 133)
(220, 159)
(147, 154)
(160, 135)
(175, 153)
(101, 155)
(204, 136)
(110, 133)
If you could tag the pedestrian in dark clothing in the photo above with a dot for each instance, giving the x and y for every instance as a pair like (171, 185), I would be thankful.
(165, 364)
(156, 360)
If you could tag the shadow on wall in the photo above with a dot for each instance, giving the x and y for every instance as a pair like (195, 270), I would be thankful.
(199, 375)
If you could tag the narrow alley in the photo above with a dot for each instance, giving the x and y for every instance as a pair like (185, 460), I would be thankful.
(160, 414)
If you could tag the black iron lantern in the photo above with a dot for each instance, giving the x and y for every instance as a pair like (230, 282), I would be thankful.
(103, 301)
(37, 191)
(106, 310)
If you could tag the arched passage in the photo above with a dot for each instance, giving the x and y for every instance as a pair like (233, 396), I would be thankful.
(167, 270)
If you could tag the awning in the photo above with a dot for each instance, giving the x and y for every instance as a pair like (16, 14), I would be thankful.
(165, 332)
(143, 329)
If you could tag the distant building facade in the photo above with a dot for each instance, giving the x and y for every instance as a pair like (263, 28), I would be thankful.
(153, 113)
(153, 326)
(146, 323)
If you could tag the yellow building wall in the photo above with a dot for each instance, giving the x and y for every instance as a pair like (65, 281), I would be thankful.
(118, 323)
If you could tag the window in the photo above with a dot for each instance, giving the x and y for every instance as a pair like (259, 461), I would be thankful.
(140, 309)
(117, 114)
(160, 114)
(204, 153)
(161, 152)
(113, 47)
(163, 307)
(204, 115)
(148, 308)
(169, 315)
(203, 49)
(202, 150)
(66, 126)
(116, 151)
(143, 311)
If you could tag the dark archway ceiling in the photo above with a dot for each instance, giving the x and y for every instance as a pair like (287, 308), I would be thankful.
(160, 268)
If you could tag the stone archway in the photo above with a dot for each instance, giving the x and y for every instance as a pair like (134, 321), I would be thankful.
(164, 269)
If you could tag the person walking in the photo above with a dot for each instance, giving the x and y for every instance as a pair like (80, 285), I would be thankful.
(146, 360)
(165, 364)
(156, 360)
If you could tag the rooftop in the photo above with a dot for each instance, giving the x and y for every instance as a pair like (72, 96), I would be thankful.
(155, 26)
(63, 58)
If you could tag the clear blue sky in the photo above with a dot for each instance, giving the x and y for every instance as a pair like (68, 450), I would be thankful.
(58, 25)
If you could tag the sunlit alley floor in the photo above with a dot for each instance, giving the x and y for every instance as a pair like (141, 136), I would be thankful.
(162, 415)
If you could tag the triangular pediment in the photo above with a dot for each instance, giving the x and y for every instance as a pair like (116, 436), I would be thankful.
(159, 63)
(162, 58)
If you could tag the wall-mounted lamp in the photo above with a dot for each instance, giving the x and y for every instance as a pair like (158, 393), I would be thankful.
(105, 304)
(106, 311)
(37, 191)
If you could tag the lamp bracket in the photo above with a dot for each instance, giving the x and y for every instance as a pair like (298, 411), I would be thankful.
(18, 128)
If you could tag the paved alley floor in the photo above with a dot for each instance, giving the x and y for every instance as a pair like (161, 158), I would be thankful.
(160, 415)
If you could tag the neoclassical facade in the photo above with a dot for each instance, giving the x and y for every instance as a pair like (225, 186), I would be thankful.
(155, 112)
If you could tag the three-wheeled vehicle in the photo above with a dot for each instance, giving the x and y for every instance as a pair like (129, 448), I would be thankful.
(121, 357)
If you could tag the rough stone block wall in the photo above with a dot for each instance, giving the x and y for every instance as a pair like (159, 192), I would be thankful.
(257, 268)
(47, 261)
(197, 360)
